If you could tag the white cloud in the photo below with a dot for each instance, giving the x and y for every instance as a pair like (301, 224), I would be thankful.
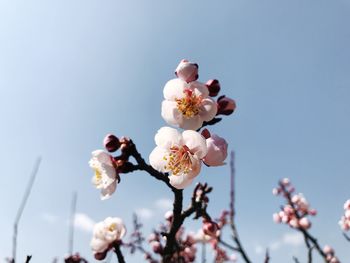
(288, 239)
(259, 249)
(293, 239)
(83, 222)
(144, 213)
(49, 218)
(164, 204)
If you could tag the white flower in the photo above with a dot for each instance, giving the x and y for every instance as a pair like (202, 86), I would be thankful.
(187, 105)
(201, 237)
(105, 177)
(178, 154)
(106, 232)
(217, 151)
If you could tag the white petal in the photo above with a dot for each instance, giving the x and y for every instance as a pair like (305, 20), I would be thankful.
(98, 245)
(108, 191)
(208, 110)
(200, 89)
(196, 167)
(192, 123)
(167, 137)
(180, 181)
(195, 142)
(156, 159)
(102, 157)
(170, 113)
(174, 89)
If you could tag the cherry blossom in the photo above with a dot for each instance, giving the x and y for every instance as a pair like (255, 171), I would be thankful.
(105, 177)
(187, 71)
(187, 105)
(178, 154)
(345, 219)
(105, 233)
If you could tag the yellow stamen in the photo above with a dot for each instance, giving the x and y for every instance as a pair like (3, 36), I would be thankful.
(112, 227)
(179, 160)
(190, 104)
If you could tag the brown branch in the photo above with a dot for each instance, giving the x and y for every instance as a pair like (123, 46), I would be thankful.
(235, 235)
(28, 259)
(227, 245)
(118, 252)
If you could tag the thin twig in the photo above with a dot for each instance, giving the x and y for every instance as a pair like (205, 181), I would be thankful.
(235, 235)
(309, 257)
(296, 260)
(267, 256)
(28, 259)
(346, 236)
(22, 206)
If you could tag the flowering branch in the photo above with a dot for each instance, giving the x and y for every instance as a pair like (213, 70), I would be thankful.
(307, 236)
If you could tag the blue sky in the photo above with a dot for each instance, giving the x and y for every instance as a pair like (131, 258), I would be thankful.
(72, 71)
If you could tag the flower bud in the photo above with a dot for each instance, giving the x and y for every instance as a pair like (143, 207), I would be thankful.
(226, 106)
(304, 223)
(276, 218)
(210, 228)
(187, 71)
(157, 247)
(217, 151)
(111, 143)
(213, 87)
(100, 255)
(328, 249)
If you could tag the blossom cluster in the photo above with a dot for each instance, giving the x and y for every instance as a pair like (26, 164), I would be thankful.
(345, 219)
(297, 209)
(330, 254)
(105, 234)
(188, 105)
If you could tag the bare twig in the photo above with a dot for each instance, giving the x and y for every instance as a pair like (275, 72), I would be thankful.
(267, 256)
(235, 235)
(346, 236)
(309, 257)
(296, 260)
(22, 206)
(28, 259)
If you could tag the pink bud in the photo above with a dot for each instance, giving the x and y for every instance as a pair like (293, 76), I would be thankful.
(226, 106)
(276, 191)
(205, 133)
(111, 143)
(304, 223)
(294, 223)
(100, 256)
(210, 228)
(157, 247)
(328, 249)
(213, 87)
(347, 205)
(347, 214)
(187, 71)
(217, 151)
(168, 216)
(285, 181)
(313, 212)
(276, 218)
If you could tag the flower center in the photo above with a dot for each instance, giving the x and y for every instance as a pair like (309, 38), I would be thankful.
(179, 160)
(98, 174)
(190, 104)
(112, 227)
